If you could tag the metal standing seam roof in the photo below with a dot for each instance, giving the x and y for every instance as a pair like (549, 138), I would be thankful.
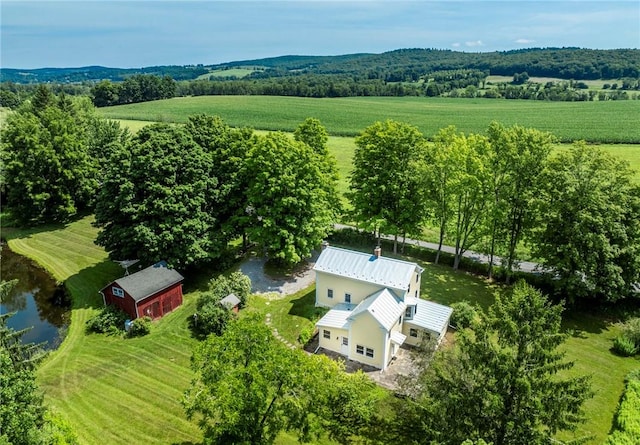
(337, 317)
(383, 305)
(387, 272)
(149, 281)
(431, 316)
(230, 300)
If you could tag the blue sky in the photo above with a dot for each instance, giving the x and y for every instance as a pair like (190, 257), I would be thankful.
(125, 33)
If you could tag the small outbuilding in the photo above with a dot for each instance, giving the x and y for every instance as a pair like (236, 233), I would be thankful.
(153, 292)
(231, 302)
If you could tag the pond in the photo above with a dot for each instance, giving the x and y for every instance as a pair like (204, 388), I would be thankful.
(38, 302)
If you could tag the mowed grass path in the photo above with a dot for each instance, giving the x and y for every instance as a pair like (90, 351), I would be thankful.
(112, 390)
(610, 121)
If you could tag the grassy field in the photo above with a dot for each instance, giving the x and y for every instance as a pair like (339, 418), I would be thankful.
(604, 122)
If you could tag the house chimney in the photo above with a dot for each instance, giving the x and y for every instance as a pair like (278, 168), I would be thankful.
(377, 251)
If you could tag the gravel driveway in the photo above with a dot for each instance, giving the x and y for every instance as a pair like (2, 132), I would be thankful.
(262, 283)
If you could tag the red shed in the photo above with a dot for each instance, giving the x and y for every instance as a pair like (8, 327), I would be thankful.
(154, 292)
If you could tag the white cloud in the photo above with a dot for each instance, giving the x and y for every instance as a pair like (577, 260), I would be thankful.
(525, 41)
(474, 43)
(455, 45)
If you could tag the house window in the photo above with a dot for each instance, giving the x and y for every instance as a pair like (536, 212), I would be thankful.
(400, 320)
(417, 277)
(329, 293)
(416, 294)
(326, 334)
(369, 353)
(117, 292)
(408, 313)
(347, 298)
(360, 349)
(413, 333)
(345, 341)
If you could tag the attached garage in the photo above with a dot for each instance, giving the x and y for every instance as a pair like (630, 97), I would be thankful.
(153, 292)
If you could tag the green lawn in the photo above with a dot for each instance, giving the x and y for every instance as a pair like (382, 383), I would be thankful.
(605, 122)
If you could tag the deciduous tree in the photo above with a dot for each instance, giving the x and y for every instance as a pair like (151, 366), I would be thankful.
(50, 174)
(249, 387)
(517, 160)
(153, 203)
(590, 241)
(289, 197)
(384, 188)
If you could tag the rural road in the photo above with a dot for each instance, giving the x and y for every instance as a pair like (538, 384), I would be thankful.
(524, 266)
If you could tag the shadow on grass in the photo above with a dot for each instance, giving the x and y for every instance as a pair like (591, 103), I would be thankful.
(579, 323)
(305, 306)
(84, 286)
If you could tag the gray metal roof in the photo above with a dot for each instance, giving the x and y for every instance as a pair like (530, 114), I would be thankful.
(383, 305)
(431, 316)
(149, 281)
(387, 272)
(337, 317)
(230, 301)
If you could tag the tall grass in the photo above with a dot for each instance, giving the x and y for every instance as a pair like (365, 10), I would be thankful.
(604, 122)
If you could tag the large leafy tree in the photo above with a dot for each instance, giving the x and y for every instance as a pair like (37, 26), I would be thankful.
(249, 387)
(518, 157)
(385, 189)
(456, 175)
(289, 198)
(471, 193)
(506, 381)
(51, 170)
(228, 148)
(153, 203)
(590, 241)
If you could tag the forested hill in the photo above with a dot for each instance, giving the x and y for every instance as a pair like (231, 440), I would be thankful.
(393, 66)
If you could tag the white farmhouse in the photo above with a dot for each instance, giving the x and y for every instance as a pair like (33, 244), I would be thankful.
(375, 305)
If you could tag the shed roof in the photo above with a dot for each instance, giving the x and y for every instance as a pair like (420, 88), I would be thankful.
(149, 281)
(431, 316)
(230, 301)
(387, 272)
(383, 305)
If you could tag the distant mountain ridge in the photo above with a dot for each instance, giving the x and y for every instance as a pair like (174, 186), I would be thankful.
(397, 65)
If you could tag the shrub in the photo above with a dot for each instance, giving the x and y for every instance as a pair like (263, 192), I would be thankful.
(631, 330)
(626, 424)
(628, 342)
(306, 334)
(211, 318)
(110, 320)
(139, 327)
(464, 314)
(624, 346)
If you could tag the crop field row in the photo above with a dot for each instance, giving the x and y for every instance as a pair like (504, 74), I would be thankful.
(600, 122)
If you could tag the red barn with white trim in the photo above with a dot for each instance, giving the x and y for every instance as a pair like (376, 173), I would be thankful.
(154, 292)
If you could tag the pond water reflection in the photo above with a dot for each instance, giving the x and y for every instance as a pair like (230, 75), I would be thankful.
(36, 299)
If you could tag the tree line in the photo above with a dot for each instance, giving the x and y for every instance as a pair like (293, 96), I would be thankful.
(578, 210)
